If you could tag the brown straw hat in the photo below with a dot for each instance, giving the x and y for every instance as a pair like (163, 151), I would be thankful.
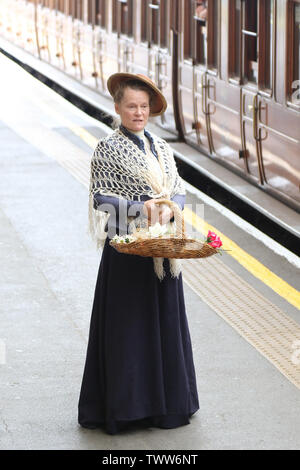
(159, 104)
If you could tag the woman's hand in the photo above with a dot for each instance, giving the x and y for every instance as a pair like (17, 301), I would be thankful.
(151, 210)
(165, 214)
(157, 212)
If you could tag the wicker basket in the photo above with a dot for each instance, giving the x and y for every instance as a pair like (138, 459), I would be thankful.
(176, 247)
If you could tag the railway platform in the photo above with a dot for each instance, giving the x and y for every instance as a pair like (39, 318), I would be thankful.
(242, 307)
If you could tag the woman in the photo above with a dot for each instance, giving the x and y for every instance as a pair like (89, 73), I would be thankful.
(139, 366)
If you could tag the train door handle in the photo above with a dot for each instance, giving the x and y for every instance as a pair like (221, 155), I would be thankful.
(211, 85)
(203, 94)
(253, 108)
(260, 138)
(205, 86)
(256, 108)
(262, 106)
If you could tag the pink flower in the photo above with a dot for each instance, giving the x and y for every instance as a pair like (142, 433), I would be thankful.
(217, 243)
(213, 239)
(211, 236)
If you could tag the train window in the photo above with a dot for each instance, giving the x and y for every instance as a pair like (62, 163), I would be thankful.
(156, 15)
(164, 22)
(187, 46)
(100, 12)
(67, 8)
(201, 31)
(114, 25)
(154, 20)
(59, 5)
(293, 55)
(235, 21)
(122, 13)
(126, 17)
(201, 11)
(296, 41)
(96, 12)
(266, 34)
(77, 9)
(212, 33)
(144, 20)
(251, 41)
(175, 16)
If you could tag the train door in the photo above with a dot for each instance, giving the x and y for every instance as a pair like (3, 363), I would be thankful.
(206, 59)
(256, 29)
(271, 144)
(210, 107)
(237, 124)
(280, 145)
(220, 101)
(228, 118)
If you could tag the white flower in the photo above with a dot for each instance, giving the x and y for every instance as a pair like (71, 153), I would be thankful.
(157, 230)
(123, 239)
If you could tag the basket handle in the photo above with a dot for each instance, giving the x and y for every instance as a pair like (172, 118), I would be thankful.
(179, 220)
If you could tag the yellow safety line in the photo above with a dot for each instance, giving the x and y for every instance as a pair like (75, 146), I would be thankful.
(85, 136)
(252, 265)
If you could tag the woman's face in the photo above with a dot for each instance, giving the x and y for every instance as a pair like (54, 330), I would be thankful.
(134, 109)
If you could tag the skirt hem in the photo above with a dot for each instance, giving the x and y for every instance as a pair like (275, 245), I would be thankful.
(164, 422)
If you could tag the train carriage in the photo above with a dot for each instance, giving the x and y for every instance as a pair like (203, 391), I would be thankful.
(229, 69)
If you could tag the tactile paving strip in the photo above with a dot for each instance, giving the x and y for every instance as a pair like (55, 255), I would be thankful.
(274, 334)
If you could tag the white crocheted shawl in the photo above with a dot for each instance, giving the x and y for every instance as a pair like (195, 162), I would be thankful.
(120, 169)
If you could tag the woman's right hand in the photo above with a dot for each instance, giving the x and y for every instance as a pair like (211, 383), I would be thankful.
(152, 211)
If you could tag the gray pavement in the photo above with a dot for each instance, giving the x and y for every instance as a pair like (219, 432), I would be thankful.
(48, 272)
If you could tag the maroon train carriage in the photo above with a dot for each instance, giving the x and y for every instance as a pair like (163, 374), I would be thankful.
(230, 70)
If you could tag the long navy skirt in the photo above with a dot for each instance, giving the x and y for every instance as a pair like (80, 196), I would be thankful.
(139, 367)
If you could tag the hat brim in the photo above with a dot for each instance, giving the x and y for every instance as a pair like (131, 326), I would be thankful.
(159, 103)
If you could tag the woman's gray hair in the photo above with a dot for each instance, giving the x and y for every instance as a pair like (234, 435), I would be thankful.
(134, 85)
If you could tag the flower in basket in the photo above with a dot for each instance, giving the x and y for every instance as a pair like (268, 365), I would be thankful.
(154, 231)
(213, 239)
(157, 230)
(123, 239)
